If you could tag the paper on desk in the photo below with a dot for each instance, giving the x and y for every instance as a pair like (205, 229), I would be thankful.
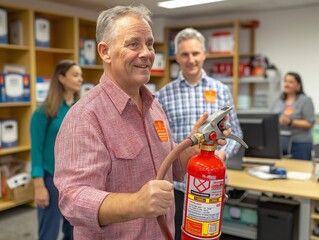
(262, 172)
(298, 175)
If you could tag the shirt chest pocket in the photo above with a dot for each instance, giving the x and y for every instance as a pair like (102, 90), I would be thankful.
(129, 147)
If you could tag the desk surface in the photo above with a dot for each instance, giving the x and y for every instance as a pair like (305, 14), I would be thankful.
(296, 188)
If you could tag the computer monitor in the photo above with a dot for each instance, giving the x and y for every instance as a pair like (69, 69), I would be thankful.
(261, 133)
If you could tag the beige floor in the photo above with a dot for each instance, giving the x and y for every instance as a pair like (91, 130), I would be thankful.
(19, 223)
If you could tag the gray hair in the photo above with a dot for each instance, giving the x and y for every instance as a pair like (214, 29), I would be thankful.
(106, 20)
(189, 33)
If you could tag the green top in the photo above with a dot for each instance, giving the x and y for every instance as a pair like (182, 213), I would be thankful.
(43, 135)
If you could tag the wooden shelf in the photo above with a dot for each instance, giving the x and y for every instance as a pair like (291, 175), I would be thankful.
(7, 151)
(5, 205)
(55, 50)
(38, 61)
(16, 104)
(14, 47)
(157, 74)
(220, 56)
(94, 67)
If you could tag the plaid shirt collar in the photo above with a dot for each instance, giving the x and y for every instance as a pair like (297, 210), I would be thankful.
(184, 82)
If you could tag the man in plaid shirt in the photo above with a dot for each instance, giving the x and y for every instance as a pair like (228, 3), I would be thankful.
(185, 99)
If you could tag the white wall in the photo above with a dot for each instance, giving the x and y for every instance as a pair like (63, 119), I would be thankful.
(289, 38)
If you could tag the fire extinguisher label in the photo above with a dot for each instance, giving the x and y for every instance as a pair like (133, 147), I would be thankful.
(203, 206)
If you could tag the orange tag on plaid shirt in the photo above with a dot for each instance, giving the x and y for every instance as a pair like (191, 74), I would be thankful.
(161, 130)
(210, 96)
(289, 111)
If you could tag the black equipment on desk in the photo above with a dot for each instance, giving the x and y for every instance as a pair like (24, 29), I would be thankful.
(236, 162)
(261, 133)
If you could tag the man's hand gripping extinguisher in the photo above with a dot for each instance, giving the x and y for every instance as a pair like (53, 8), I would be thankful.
(205, 188)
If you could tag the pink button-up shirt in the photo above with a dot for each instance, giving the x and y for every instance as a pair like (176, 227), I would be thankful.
(105, 145)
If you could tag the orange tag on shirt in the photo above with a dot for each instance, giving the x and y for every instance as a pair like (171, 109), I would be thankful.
(289, 111)
(210, 96)
(161, 130)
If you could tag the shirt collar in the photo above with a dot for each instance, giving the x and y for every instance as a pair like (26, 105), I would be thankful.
(120, 99)
(183, 81)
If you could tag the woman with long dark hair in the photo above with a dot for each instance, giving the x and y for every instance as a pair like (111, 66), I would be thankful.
(64, 91)
(297, 117)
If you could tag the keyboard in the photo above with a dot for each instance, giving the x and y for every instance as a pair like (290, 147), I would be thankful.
(251, 162)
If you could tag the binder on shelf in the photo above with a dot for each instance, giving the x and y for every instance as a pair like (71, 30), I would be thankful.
(86, 87)
(16, 32)
(175, 68)
(171, 44)
(87, 52)
(159, 64)
(42, 32)
(13, 68)
(9, 133)
(3, 26)
(14, 87)
(221, 42)
(42, 88)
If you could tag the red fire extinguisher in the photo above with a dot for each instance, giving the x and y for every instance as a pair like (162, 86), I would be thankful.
(205, 188)
(204, 195)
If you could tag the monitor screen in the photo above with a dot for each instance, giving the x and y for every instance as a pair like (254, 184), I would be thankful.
(261, 133)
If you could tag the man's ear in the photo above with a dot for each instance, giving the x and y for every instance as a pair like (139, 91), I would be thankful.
(104, 51)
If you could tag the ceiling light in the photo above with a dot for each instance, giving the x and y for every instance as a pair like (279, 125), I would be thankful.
(184, 3)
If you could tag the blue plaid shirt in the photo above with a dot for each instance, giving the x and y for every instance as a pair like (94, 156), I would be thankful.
(184, 104)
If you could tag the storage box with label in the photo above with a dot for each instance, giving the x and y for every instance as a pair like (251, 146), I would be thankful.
(221, 42)
(3, 26)
(14, 87)
(159, 64)
(42, 32)
(16, 32)
(9, 133)
(22, 193)
(87, 51)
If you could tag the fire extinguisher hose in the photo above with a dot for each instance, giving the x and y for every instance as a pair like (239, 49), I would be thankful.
(161, 175)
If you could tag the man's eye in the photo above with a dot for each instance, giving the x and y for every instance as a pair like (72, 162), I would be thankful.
(150, 45)
(134, 44)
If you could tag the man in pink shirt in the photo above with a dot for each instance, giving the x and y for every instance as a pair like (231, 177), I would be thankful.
(113, 141)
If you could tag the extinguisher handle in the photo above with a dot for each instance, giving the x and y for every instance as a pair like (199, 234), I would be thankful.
(214, 126)
(237, 139)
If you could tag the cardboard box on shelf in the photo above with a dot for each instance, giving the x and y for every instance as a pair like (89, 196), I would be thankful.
(21, 193)
(10, 167)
